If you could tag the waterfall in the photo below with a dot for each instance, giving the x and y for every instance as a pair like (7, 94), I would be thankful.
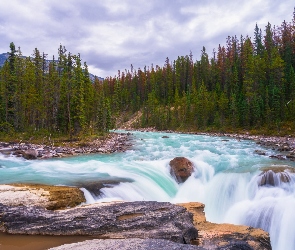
(236, 185)
(269, 205)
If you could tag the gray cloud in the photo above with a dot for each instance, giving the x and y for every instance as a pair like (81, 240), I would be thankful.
(111, 35)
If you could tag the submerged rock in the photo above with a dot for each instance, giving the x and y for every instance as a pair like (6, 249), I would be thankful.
(181, 168)
(274, 176)
(94, 187)
(143, 219)
(226, 236)
(260, 152)
(127, 244)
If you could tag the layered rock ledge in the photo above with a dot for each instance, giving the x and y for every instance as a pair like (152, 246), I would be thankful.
(144, 219)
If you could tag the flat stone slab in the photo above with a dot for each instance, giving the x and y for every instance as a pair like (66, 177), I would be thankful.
(142, 219)
(127, 244)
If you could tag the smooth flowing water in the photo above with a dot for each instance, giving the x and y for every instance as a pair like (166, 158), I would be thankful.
(227, 179)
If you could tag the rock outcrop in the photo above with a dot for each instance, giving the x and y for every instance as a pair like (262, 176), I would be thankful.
(181, 168)
(144, 219)
(49, 197)
(226, 236)
(159, 225)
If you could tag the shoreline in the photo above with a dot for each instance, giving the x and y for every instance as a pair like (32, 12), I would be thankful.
(114, 142)
(284, 146)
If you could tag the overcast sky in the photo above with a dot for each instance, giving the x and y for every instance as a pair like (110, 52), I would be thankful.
(111, 35)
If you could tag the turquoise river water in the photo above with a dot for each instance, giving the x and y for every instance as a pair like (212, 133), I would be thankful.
(226, 179)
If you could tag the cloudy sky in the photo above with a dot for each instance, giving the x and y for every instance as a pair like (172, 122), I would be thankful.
(111, 35)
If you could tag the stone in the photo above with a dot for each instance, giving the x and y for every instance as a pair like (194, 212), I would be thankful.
(30, 154)
(18, 153)
(181, 168)
(259, 152)
(5, 151)
(94, 186)
(127, 244)
(291, 157)
(121, 220)
(274, 176)
(226, 236)
(279, 157)
(49, 197)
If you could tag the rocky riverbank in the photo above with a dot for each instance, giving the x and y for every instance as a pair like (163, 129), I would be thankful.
(114, 142)
(284, 147)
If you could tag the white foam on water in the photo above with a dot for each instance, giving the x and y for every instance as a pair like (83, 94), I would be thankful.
(268, 207)
(88, 196)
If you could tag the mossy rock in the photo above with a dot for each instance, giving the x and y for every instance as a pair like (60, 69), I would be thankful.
(60, 197)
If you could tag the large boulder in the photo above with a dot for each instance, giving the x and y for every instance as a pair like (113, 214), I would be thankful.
(142, 219)
(181, 168)
(30, 154)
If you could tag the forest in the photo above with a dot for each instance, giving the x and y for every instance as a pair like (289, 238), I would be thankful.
(247, 84)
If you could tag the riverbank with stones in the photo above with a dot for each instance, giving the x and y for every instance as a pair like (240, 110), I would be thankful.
(283, 147)
(114, 142)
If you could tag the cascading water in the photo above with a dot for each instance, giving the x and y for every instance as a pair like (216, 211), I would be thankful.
(236, 185)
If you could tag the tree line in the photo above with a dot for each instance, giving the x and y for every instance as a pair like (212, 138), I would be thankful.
(55, 96)
(249, 83)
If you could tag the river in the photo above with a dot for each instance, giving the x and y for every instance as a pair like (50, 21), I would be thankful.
(226, 179)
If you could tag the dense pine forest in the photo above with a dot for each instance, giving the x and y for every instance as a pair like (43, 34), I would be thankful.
(247, 84)
(56, 96)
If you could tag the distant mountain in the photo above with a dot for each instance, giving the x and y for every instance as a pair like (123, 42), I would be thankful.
(4, 56)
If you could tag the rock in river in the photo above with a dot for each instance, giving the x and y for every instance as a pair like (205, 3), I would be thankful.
(30, 154)
(181, 168)
(275, 175)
